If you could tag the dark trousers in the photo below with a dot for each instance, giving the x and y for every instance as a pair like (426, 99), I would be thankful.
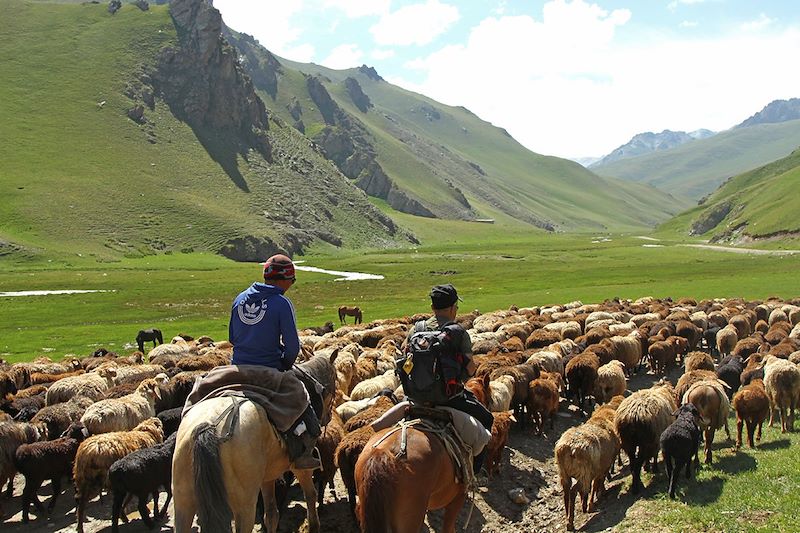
(467, 403)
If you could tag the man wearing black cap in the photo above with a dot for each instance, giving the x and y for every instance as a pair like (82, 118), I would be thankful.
(444, 304)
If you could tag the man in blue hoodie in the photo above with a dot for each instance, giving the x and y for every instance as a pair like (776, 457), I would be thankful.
(263, 331)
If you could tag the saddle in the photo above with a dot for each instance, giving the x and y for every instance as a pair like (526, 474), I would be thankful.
(449, 425)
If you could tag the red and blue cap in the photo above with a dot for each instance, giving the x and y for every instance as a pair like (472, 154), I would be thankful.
(279, 267)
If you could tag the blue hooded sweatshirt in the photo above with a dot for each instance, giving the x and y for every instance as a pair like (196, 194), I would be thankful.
(263, 328)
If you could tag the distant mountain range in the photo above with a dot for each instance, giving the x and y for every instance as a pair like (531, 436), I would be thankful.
(645, 143)
(695, 168)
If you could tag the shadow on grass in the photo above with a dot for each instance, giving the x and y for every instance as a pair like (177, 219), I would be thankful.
(704, 491)
(733, 464)
(531, 481)
(224, 150)
(774, 445)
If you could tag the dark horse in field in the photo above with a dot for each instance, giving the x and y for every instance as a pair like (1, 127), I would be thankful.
(151, 334)
(355, 312)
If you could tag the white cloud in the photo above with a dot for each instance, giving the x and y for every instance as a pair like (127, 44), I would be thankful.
(359, 8)
(758, 24)
(564, 86)
(688, 24)
(674, 4)
(256, 16)
(303, 53)
(344, 56)
(415, 24)
(382, 53)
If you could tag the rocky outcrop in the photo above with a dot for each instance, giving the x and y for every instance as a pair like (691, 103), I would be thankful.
(370, 72)
(320, 96)
(645, 143)
(401, 201)
(114, 6)
(360, 100)
(204, 84)
(250, 248)
(710, 218)
(294, 108)
(263, 67)
(144, 5)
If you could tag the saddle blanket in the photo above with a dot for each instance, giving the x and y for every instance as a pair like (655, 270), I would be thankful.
(282, 395)
(469, 430)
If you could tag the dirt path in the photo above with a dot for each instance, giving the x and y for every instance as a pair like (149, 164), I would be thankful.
(528, 464)
(735, 250)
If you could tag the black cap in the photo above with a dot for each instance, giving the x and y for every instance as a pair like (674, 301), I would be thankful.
(443, 296)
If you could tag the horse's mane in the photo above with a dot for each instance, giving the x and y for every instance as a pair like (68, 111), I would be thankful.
(322, 370)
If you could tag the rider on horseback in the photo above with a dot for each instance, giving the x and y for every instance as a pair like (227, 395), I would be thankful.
(263, 332)
(444, 304)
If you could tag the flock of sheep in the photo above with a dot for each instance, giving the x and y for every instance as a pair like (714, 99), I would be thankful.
(108, 422)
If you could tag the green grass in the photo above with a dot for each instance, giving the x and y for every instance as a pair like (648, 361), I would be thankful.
(191, 293)
(752, 490)
(79, 177)
(759, 199)
(697, 168)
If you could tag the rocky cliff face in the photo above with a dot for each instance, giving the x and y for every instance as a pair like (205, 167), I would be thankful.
(203, 82)
(360, 100)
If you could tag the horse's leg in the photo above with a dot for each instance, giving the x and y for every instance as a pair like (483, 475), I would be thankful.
(184, 501)
(306, 480)
(270, 506)
(451, 512)
(245, 515)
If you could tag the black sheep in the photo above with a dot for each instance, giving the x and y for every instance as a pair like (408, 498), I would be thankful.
(710, 339)
(141, 473)
(43, 460)
(679, 442)
(170, 419)
(730, 371)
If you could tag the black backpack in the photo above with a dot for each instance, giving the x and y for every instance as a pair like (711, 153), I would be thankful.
(432, 370)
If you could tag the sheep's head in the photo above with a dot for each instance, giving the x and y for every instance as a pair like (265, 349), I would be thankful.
(150, 388)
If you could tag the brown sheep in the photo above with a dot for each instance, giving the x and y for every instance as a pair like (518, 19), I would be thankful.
(12, 436)
(689, 378)
(368, 415)
(662, 354)
(581, 374)
(97, 453)
(496, 445)
(585, 453)
(698, 361)
(690, 332)
(711, 401)
(727, 338)
(752, 408)
(742, 325)
(543, 401)
(346, 455)
(541, 338)
(327, 442)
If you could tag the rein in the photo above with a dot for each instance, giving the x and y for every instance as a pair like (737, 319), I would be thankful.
(229, 418)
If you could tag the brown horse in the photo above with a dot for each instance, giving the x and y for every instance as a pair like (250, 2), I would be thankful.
(219, 478)
(355, 312)
(394, 493)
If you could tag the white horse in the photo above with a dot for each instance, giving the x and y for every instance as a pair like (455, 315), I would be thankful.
(218, 478)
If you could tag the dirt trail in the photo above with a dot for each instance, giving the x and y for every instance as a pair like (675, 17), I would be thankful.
(528, 464)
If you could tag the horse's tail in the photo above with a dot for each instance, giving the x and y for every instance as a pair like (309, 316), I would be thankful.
(213, 511)
(375, 482)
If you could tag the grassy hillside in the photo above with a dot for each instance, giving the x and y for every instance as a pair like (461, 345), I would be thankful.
(429, 149)
(755, 205)
(695, 169)
(79, 177)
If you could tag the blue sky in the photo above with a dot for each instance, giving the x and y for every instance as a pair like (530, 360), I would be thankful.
(571, 78)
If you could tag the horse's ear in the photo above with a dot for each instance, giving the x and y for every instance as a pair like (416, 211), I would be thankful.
(333, 355)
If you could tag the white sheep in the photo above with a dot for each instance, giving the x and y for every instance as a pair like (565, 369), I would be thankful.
(547, 361)
(136, 373)
(91, 385)
(370, 387)
(501, 392)
(782, 384)
(125, 413)
(610, 381)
